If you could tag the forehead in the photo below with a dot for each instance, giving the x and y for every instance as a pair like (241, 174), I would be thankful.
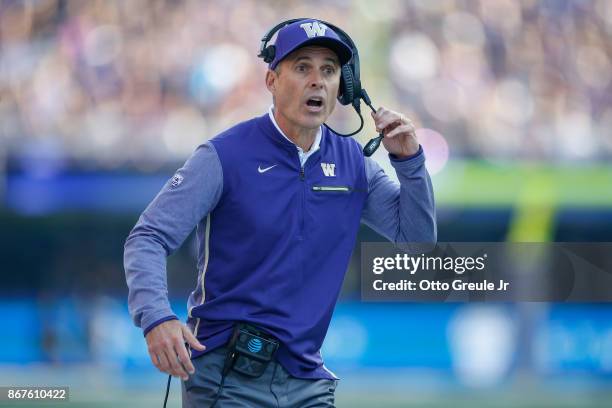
(313, 52)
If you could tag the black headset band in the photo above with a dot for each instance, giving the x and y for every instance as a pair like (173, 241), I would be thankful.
(266, 38)
(341, 33)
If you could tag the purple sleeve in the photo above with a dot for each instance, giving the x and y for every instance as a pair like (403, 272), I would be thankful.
(185, 199)
(403, 212)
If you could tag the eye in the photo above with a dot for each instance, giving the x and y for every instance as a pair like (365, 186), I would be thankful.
(329, 70)
(300, 68)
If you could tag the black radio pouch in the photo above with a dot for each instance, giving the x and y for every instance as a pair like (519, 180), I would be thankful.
(250, 350)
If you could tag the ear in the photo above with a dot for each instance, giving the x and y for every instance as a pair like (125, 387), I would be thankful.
(271, 78)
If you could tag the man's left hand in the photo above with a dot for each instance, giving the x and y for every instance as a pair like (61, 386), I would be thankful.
(399, 131)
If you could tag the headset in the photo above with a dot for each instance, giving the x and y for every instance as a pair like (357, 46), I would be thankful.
(350, 93)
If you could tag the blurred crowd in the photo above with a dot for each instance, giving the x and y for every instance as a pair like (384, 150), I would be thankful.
(121, 83)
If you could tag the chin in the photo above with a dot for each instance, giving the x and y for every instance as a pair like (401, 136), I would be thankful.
(313, 121)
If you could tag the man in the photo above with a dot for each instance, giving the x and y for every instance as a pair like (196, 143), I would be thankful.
(277, 201)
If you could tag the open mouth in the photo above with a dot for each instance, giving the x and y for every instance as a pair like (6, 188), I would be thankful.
(315, 103)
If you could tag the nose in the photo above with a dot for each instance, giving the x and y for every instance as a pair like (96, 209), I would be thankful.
(316, 79)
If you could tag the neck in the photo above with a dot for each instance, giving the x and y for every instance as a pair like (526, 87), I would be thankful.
(303, 137)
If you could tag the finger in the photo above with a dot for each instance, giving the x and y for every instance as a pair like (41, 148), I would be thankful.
(164, 365)
(191, 339)
(388, 119)
(408, 130)
(379, 112)
(155, 361)
(183, 358)
(176, 367)
(391, 116)
(400, 120)
(381, 115)
(384, 131)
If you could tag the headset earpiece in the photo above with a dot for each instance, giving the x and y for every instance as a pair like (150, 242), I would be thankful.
(347, 88)
(268, 54)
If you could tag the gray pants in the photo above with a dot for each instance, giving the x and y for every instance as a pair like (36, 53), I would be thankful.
(276, 388)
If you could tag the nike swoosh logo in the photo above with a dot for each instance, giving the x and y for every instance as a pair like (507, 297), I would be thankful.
(259, 169)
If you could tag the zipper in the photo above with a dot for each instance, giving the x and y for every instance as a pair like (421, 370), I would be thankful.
(303, 202)
(339, 189)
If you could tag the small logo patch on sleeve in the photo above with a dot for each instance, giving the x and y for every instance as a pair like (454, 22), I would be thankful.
(177, 179)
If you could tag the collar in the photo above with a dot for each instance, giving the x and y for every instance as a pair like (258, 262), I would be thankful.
(315, 145)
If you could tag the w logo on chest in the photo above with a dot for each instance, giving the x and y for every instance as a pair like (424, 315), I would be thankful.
(329, 169)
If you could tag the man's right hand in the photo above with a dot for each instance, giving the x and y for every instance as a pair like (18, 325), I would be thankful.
(166, 343)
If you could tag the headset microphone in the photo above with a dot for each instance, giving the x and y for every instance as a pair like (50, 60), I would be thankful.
(374, 143)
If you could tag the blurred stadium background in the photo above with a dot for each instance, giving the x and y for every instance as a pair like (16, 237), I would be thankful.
(100, 101)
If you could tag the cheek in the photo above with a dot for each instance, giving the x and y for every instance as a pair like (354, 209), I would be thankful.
(332, 104)
(335, 88)
(290, 95)
(333, 96)
(284, 97)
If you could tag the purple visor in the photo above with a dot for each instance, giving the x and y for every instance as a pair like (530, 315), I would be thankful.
(308, 32)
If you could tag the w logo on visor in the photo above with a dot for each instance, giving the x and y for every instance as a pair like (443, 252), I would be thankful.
(314, 29)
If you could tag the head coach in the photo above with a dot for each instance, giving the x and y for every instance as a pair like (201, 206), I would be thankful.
(277, 201)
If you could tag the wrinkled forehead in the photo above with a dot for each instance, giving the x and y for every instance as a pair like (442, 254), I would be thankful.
(314, 52)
